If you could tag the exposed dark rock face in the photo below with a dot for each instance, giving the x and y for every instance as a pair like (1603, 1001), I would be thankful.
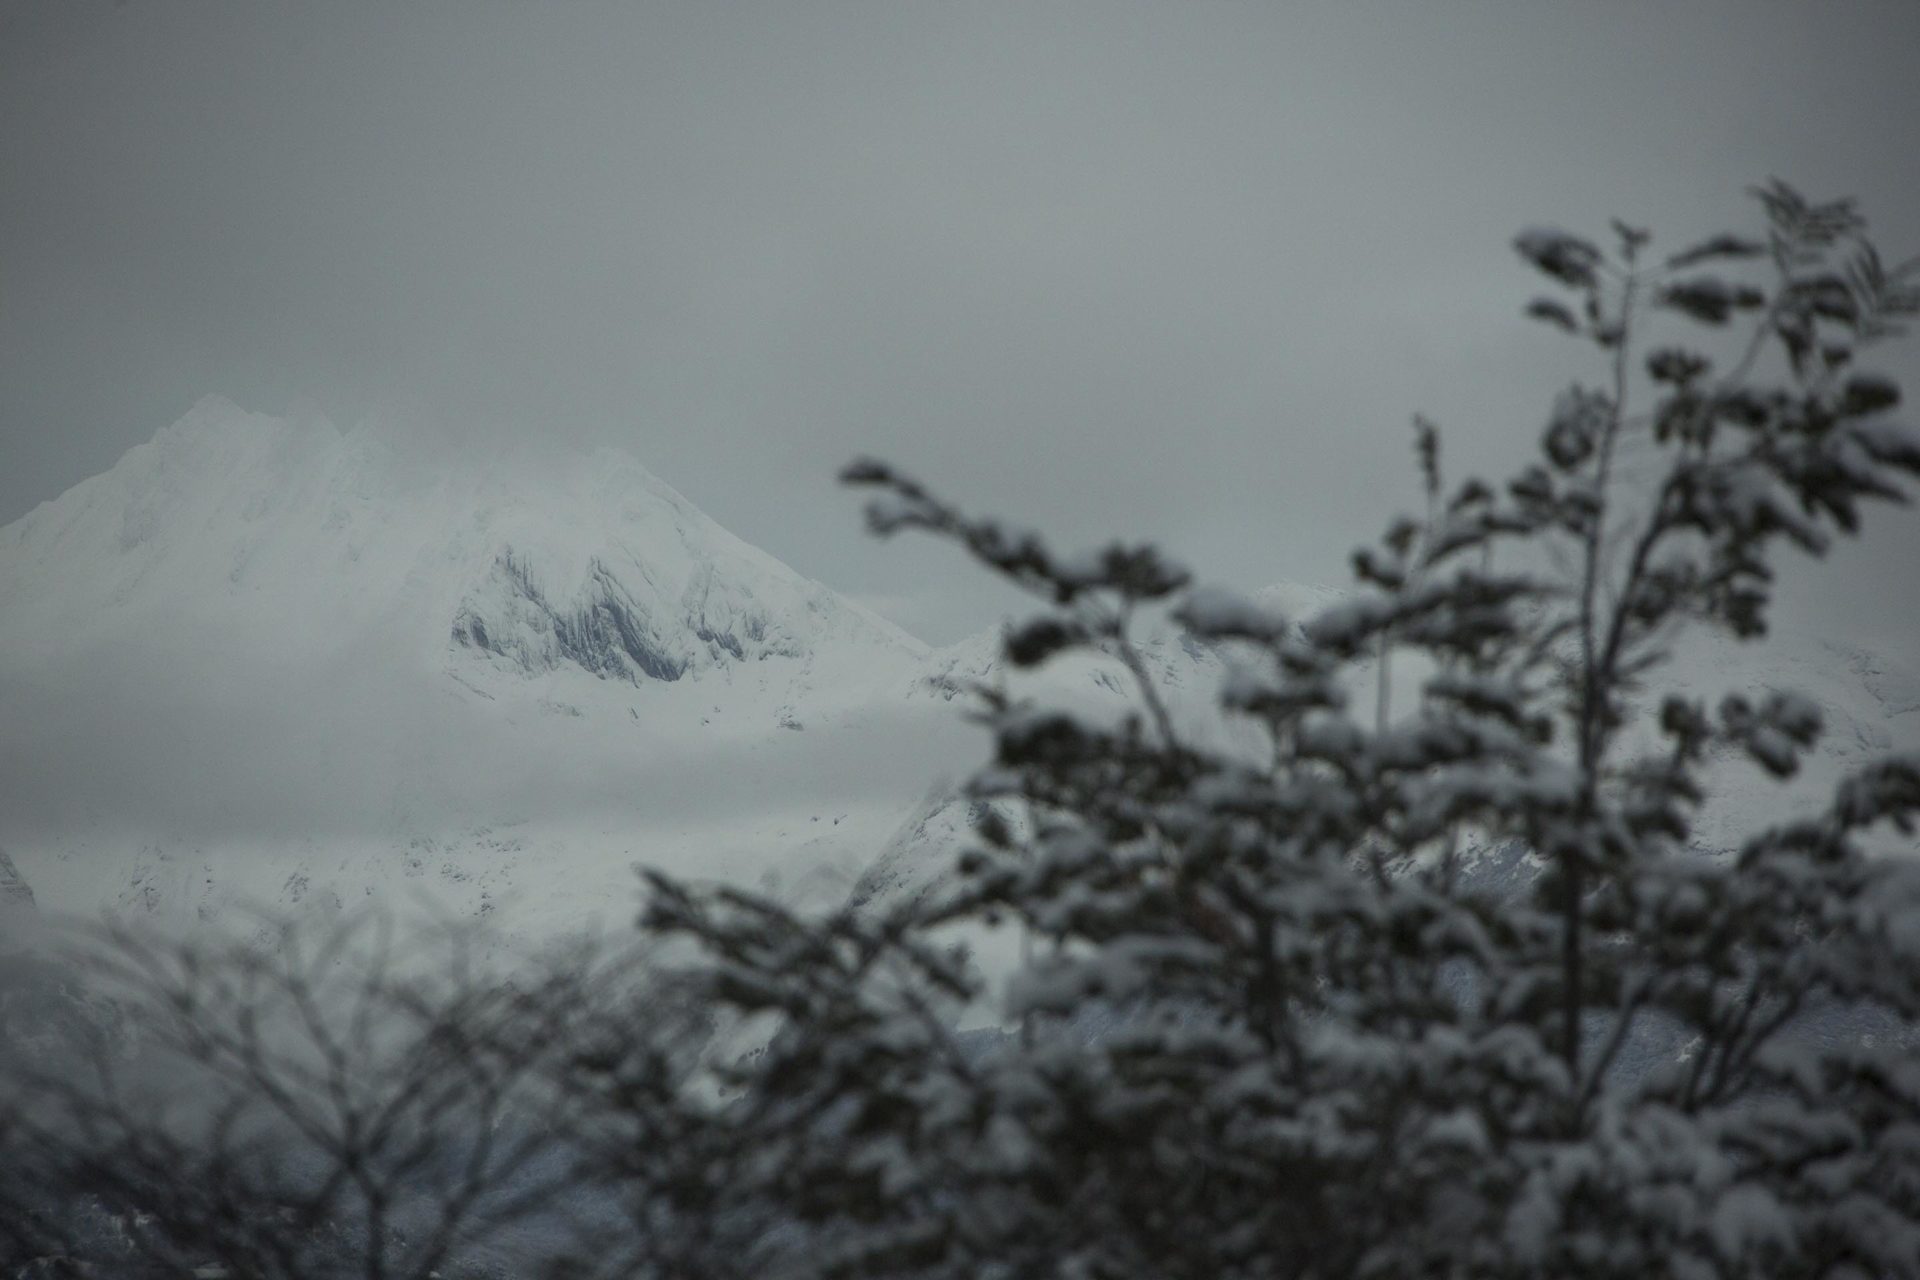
(604, 629)
(607, 635)
(603, 632)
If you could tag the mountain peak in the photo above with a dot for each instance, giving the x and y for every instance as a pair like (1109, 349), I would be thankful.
(289, 536)
(259, 656)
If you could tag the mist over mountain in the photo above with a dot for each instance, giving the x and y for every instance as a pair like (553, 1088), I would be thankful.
(264, 663)
(253, 637)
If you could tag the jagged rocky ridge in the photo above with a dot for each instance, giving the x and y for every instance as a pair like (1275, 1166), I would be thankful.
(604, 630)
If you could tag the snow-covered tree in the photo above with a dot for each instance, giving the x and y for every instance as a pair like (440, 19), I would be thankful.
(1272, 1016)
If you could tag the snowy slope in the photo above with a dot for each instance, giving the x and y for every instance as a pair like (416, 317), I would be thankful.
(263, 662)
(293, 531)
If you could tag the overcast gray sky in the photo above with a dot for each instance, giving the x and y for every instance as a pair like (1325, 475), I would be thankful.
(1179, 271)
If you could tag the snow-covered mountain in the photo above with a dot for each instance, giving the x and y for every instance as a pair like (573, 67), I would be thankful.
(295, 532)
(263, 663)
